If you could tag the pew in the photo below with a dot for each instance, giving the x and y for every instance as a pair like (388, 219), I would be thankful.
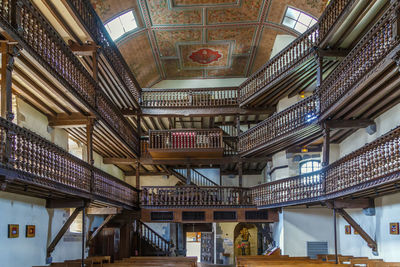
(245, 261)
(155, 261)
(363, 262)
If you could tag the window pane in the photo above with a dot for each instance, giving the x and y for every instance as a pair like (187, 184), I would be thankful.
(289, 22)
(292, 13)
(115, 28)
(128, 21)
(305, 19)
(300, 27)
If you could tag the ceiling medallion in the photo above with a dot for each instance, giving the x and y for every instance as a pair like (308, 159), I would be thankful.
(205, 56)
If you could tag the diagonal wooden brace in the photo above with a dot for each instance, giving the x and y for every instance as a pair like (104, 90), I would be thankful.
(371, 243)
(98, 230)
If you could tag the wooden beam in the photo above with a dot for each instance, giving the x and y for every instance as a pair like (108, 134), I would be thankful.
(361, 203)
(119, 161)
(333, 53)
(104, 211)
(62, 231)
(69, 121)
(98, 230)
(84, 49)
(349, 124)
(64, 204)
(133, 173)
(371, 243)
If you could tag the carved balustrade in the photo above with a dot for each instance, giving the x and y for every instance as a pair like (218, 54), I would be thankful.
(42, 163)
(95, 27)
(195, 196)
(280, 124)
(25, 23)
(373, 47)
(290, 57)
(199, 97)
(152, 237)
(378, 159)
(185, 139)
(294, 189)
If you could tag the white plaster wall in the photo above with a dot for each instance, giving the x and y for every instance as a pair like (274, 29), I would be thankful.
(25, 252)
(384, 123)
(153, 180)
(305, 224)
(387, 211)
(247, 180)
(286, 102)
(212, 174)
(279, 159)
(281, 41)
(199, 83)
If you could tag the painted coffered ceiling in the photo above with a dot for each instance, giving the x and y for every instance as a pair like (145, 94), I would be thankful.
(187, 39)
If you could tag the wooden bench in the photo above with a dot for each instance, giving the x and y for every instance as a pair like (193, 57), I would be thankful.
(155, 261)
(363, 262)
(244, 261)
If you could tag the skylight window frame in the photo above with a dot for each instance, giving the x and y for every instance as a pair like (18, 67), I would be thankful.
(296, 21)
(126, 33)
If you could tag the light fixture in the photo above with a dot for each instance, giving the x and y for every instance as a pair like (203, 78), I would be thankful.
(304, 149)
(302, 94)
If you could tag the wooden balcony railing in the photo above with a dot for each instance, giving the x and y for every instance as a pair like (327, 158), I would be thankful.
(185, 139)
(195, 196)
(177, 98)
(290, 57)
(95, 27)
(24, 22)
(373, 47)
(375, 160)
(280, 124)
(294, 189)
(39, 162)
(295, 53)
(152, 237)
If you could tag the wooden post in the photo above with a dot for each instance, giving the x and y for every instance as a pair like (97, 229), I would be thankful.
(335, 233)
(238, 125)
(62, 231)
(89, 140)
(95, 65)
(8, 52)
(83, 236)
(326, 146)
(320, 62)
(138, 174)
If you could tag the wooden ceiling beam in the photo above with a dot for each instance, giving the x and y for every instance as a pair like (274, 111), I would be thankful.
(349, 124)
(69, 121)
(83, 49)
(119, 161)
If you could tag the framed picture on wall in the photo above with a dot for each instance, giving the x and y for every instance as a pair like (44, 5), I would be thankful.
(13, 230)
(347, 229)
(30, 231)
(394, 228)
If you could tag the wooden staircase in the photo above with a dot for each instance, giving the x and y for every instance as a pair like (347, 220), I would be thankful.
(196, 178)
(151, 243)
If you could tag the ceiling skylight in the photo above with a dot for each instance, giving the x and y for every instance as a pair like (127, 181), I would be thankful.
(298, 20)
(121, 25)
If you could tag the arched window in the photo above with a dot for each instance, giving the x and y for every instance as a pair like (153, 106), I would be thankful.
(121, 25)
(298, 20)
(309, 166)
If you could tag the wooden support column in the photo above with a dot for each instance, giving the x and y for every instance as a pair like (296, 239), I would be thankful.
(98, 230)
(335, 233)
(188, 175)
(326, 146)
(62, 231)
(319, 59)
(238, 125)
(83, 237)
(8, 53)
(89, 140)
(371, 243)
(138, 174)
(95, 65)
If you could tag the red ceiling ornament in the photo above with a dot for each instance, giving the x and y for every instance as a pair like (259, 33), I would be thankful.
(205, 56)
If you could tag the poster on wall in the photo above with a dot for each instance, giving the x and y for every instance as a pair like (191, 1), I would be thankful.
(347, 229)
(13, 230)
(30, 231)
(394, 228)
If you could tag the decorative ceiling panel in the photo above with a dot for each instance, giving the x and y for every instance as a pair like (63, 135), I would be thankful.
(184, 39)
